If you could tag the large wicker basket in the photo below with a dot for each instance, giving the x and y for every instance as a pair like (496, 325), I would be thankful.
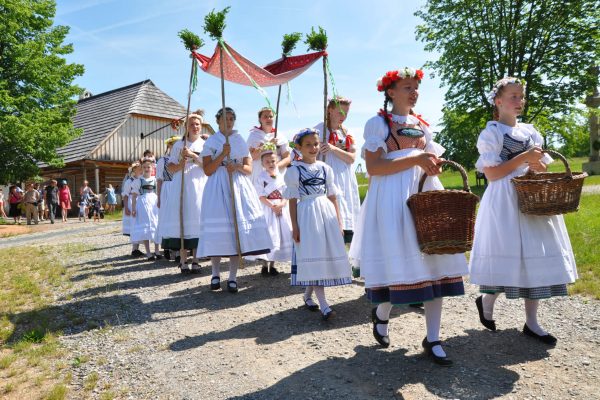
(444, 219)
(549, 193)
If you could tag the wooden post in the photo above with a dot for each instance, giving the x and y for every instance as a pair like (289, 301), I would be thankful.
(182, 252)
(277, 110)
(224, 122)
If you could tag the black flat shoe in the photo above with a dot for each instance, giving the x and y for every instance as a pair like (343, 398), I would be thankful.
(232, 287)
(195, 268)
(488, 323)
(328, 314)
(546, 339)
(183, 268)
(384, 341)
(264, 271)
(137, 253)
(215, 283)
(167, 254)
(157, 256)
(273, 271)
(416, 305)
(428, 346)
(310, 307)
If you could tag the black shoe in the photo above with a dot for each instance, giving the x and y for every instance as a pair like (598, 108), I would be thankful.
(264, 271)
(183, 268)
(310, 307)
(416, 305)
(215, 283)
(428, 346)
(273, 271)
(177, 259)
(488, 323)
(384, 341)
(546, 339)
(195, 268)
(137, 253)
(167, 254)
(151, 258)
(232, 287)
(157, 256)
(328, 314)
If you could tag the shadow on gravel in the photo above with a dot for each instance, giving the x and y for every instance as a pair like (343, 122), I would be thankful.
(479, 371)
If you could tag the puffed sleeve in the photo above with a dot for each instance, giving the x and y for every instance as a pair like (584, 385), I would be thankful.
(209, 148)
(291, 184)
(259, 185)
(431, 146)
(538, 141)
(175, 152)
(332, 189)
(376, 131)
(126, 187)
(254, 139)
(136, 185)
(489, 146)
(283, 146)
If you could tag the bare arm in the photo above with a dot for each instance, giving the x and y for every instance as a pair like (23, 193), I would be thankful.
(346, 156)
(159, 183)
(531, 156)
(210, 165)
(133, 203)
(376, 165)
(293, 217)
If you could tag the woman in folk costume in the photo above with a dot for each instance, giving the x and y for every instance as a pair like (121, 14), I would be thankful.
(319, 255)
(259, 136)
(135, 170)
(163, 182)
(185, 155)
(340, 154)
(398, 149)
(270, 187)
(217, 233)
(524, 256)
(144, 210)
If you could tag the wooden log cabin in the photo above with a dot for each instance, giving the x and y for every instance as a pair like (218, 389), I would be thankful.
(112, 124)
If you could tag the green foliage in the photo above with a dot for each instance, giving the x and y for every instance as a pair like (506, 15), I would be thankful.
(567, 132)
(190, 40)
(549, 44)
(459, 134)
(289, 42)
(214, 23)
(36, 88)
(316, 41)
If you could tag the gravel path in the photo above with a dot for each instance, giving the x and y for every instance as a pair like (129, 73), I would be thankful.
(151, 333)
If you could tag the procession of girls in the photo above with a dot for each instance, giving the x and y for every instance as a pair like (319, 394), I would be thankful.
(305, 207)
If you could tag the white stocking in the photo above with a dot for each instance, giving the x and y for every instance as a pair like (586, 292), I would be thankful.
(433, 320)
(531, 307)
(487, 301)
(383, 313)
(216, 266)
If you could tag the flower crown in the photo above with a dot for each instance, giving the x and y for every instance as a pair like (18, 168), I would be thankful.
(147, 159)
(268, 148)
(304, 132)
(392, 76)
(507, 80)
(172, 140)
(339, 99)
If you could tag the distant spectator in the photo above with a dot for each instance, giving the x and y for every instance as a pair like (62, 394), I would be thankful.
(83, 204)
(42, 202)
(64, 197)
(2, 212)
(111, 199)
(15, 198)
(52, 199)
(31, 200)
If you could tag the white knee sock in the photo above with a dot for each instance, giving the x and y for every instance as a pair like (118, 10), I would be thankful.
(531, 307)
(135, 246)
(308, 296)
(433, 320)
(487, 301)
(234, 263)
(320, 293)
(383, 313)
(216, 264)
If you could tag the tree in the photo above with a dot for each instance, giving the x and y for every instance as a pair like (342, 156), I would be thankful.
(36, 88)
(551, 44)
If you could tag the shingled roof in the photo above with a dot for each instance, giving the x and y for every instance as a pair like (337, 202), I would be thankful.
(101, 114)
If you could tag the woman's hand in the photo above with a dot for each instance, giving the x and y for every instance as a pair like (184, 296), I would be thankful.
(533, 155)
(127, 212)
(296, 234)
(232, 167)
(428, 162)
(133, 213)
(325, 148)
(538, 166)
(255, 152)
(226, 150)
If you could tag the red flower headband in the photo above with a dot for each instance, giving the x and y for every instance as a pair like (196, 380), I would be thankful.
(392, 76)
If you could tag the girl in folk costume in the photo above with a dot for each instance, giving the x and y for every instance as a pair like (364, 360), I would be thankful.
(185, 155)
(163, 182)
(524, 256)
(135, 170)
(340, 155)
(144, 210)
(259, 136)
(217, 233)
(398, 149)
(270, 187)
(319, 255)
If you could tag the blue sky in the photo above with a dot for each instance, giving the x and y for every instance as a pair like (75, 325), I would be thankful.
(124, 42)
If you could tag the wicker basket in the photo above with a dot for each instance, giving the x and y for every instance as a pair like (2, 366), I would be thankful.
(549, 193)
(444, 219)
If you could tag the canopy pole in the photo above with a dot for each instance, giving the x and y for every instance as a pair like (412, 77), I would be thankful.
(324, 102)
(182, 250)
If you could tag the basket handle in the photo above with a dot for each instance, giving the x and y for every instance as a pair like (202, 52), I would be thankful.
(563, 159)
(457, 166)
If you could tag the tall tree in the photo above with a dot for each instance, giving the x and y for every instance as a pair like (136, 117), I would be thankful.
(36, 88)
(551, 44)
